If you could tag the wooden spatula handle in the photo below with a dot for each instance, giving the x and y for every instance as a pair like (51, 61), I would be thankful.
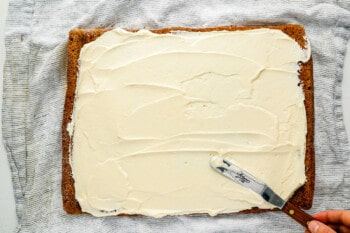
(297, 214)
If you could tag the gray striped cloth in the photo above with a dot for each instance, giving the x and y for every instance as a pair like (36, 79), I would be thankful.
(34, 91)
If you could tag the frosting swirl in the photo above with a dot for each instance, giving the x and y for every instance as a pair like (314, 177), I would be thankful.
(151, 110)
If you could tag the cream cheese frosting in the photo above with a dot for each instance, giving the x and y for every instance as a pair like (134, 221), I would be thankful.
(152, 109)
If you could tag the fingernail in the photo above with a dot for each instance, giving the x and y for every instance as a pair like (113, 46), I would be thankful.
(313, 226)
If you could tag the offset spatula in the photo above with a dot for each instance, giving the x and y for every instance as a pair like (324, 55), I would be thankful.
(247, 180)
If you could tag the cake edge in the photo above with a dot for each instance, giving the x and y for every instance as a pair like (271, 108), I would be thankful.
(303, 197)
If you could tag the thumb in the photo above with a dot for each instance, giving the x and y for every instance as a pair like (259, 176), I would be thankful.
(318, 227)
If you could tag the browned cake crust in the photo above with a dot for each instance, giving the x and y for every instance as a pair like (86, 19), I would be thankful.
(303, 197)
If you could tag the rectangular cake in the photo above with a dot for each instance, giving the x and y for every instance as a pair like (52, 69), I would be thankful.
(146, 110)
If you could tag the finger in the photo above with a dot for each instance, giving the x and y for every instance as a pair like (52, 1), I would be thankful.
(344, 229)
(334, 216)
(318, 227)
(340, 228)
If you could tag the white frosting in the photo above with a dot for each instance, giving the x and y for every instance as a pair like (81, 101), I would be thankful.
(151, 110)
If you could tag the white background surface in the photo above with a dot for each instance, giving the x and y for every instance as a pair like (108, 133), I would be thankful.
(8, 219)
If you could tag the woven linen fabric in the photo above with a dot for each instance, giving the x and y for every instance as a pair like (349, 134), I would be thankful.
(35, 84)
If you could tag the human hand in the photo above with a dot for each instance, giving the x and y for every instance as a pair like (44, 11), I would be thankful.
(330, 221)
